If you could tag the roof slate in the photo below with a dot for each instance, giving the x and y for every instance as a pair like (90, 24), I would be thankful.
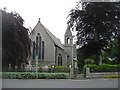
(54, 39)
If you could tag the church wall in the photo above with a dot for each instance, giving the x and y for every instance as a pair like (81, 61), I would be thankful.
(49, 56)
(63, 54)
(69, 51)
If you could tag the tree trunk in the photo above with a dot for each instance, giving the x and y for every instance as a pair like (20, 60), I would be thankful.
(100, 59)
(97, 39)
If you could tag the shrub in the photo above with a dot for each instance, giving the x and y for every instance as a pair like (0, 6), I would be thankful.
(57, 69)
(33, 75)
(103, 68)
(89, 61)
(112, 76)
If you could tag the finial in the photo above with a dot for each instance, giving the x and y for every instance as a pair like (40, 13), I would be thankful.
(39, 20)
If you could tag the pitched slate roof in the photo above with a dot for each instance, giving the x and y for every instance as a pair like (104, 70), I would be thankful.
(53, 38)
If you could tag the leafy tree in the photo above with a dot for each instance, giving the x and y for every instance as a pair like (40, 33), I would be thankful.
(80, 57)
(15, 41)
(111, 54)
(97, 23)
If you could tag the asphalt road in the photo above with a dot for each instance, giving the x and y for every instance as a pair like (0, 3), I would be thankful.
(88, 83)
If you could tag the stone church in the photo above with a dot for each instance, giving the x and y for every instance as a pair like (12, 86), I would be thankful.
(49, 50)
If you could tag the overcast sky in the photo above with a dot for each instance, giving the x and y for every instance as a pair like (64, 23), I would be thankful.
(53, 13)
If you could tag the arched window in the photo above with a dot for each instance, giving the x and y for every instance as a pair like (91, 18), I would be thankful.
(59, 60)
(33, 51)
(68, 61)
(43, 49)
(68, 40)
(36, 45)
(39, 55)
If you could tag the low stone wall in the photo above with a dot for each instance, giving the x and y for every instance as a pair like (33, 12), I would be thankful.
(98, 75)
(80, 76)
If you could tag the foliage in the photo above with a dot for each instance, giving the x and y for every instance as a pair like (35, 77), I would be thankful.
(103, 68)
(57, 69)
(97, 23)
(95, 18)
(111, 54)
(32, 75)
(89, 61)
(15, 39)
(81, 57)
(112, 76)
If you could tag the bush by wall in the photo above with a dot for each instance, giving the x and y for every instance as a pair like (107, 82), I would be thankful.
(33, 75)
(103, 68)
(89, 61)
(112, 76)
(57, 69)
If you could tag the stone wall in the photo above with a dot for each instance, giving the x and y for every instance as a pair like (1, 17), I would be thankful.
(99, 74)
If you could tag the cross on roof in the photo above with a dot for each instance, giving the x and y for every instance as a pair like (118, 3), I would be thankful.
(39, 20)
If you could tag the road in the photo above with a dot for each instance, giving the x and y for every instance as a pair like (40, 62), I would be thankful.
(88, 83)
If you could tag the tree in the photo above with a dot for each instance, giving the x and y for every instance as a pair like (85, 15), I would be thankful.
(15, 41)
(97, 23)
(111, 54)
(80, 57)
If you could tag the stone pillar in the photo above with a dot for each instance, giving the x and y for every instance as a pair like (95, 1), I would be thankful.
(30, 66)
(87, 72)
(9, 68)
(21, 67)
(71, 71)
(16, 68)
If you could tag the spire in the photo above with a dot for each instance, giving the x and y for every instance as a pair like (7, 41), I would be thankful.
(68, 33)
(68, 38)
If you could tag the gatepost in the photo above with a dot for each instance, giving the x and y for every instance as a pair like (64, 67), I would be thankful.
(71, 71)
(87, 72)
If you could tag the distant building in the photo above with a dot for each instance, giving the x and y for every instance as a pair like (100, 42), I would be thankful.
(49, 49)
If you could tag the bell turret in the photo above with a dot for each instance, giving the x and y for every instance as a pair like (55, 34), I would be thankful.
(68, 36)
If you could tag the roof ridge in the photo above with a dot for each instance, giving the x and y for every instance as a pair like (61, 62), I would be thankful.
(58, 43)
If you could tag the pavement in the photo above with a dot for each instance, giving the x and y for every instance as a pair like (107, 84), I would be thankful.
(62, 83)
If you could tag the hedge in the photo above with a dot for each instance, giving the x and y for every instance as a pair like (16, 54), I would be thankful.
(33, 75)
(103, 68)
(57, 69)
(112, 76)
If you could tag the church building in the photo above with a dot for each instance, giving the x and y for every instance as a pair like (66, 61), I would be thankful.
(49, 50)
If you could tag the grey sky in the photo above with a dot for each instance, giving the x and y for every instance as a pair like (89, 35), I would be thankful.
(53, 13)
